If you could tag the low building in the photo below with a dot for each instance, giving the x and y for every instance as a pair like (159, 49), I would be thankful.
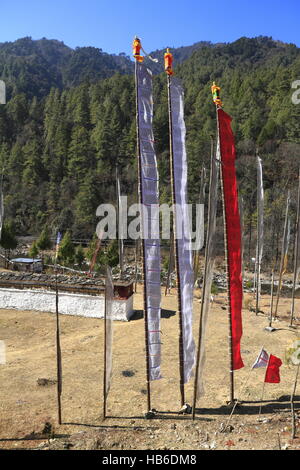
(34, 265)
(78, 295)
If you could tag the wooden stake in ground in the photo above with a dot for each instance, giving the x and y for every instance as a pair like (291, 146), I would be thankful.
(296, 253)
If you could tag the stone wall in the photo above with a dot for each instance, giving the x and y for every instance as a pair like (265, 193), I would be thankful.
(69, 304)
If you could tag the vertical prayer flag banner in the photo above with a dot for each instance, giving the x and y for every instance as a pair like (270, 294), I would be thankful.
(108, 320)
(233, 233)
(272, 372)
(183, 225)
(210, 256)
(150, 217)
(260, 207)
(58, 240)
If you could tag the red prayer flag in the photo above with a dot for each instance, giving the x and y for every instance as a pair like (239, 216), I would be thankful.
(272, 373)
(233, 233)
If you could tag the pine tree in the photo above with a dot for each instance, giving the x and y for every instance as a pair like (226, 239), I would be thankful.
(66, 250)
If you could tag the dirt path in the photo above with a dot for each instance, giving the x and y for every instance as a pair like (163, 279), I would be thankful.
(26, 404)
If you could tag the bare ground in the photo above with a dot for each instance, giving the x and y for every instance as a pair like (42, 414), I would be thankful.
(28, 407)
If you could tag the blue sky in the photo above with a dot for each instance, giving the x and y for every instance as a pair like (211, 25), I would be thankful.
(112, 24)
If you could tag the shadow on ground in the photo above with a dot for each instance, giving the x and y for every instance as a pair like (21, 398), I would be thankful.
(138, 314)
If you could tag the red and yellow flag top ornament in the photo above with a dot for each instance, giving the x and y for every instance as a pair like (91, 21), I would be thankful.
(216, 94)
(136, 49)
(168, 58)
(232, 227)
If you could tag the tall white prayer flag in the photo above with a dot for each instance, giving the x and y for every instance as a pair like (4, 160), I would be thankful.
(150, 217)
(182, 225)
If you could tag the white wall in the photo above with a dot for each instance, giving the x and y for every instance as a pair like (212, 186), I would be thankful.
(68, 304)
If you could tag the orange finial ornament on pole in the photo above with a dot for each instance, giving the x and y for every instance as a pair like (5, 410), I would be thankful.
(168, 62)
(216, 95)
(136, 49)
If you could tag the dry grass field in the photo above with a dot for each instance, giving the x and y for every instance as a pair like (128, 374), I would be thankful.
(28, 410)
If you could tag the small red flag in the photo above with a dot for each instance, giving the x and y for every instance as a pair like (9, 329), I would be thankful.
(272, 373)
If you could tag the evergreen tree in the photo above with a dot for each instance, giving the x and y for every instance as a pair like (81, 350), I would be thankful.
(44, 242)
(66, 250)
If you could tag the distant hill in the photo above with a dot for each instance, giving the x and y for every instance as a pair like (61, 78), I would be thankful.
(180, 54)
(34, 66)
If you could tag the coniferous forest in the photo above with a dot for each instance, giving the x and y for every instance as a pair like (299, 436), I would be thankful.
(70, 118)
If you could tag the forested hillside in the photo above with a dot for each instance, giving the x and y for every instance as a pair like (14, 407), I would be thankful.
(34, 67)
(71, 117)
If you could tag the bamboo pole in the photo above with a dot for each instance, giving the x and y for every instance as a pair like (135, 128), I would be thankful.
(140, 188)
(204, 288)
(296, 253)
(179, 300)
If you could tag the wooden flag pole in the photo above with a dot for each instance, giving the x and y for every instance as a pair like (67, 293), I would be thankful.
(292, 403)
(105, 353)
(201, 200)
(143, 245)
(231, 371)
(271, 306)
(179, 300)
(258, 267)
(263, 389)
(241, 207)
(171, 261)
(203, 293)
(136, 264)
(58, 352)
(296, 254)
(119, 217)
(282, 258)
